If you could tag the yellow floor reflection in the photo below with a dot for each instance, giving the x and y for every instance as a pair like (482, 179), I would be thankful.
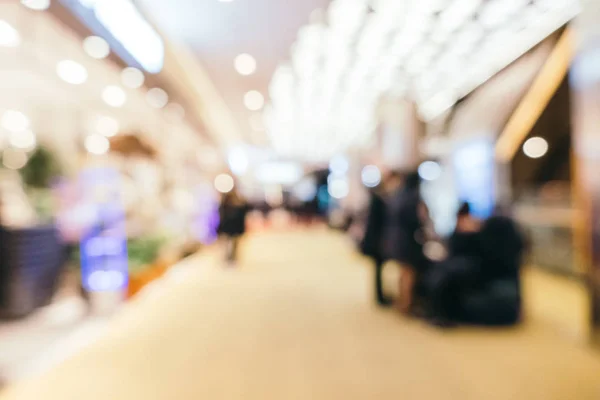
(295, 321)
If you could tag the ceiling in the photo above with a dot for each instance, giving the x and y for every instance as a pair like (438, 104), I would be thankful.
(323, 74)
(219, 31)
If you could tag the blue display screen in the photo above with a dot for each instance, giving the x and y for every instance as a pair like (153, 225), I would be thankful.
(475, 176)
(104, 265)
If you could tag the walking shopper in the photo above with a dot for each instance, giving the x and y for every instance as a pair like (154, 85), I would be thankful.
(371, 245)
(232, 212)
(405, 234)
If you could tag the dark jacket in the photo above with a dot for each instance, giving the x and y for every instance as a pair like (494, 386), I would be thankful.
(371, 243)
(232, 219)
(402, 241)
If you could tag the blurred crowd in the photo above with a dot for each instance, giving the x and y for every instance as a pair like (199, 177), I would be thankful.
(475, 279)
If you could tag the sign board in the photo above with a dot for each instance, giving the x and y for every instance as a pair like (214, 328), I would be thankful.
(104, 243)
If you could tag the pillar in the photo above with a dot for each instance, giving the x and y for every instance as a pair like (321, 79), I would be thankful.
(585, 80)
(400, 130)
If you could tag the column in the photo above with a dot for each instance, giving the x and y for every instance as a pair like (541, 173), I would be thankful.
(585, 80)
(400, 130)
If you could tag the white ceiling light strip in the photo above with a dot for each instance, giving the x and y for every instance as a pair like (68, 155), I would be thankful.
(432, 51)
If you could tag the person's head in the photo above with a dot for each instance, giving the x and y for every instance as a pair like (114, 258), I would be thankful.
(464, 210)
(412, 180)
(392, 181)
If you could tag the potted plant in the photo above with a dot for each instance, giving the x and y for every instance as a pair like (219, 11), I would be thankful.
(31, 257)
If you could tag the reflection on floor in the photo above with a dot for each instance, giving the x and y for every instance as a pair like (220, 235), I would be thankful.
(295, 320)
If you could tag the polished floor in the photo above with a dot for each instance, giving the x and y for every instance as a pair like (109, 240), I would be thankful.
(295, 320)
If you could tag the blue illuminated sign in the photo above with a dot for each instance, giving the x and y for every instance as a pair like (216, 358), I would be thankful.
(104, 244)
(475, 176)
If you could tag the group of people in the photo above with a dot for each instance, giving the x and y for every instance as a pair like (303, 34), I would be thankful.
(476, 282)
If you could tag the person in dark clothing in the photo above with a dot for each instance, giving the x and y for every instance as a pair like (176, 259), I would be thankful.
(459, 272)
(497, 298)
(232, 214)
(405, 236)
(371, 245)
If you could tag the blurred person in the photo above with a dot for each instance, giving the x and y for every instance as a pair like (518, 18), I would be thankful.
(404, 238)
(459, 271)
(496, 300)
(371, 243)
(479, 283)
(232, 214)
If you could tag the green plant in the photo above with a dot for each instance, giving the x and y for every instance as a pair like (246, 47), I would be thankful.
(143, 251)
(41, 169)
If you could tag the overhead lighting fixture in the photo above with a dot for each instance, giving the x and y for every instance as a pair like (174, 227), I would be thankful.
(14, 121)
(24, 140)
(338, 188)
(245, 64)
(107, 126)
(132, 78)
(96, 47)
(157, 98)
(323, 102)
(88, 3)
(127, 25)
(14, 158)
(9, 36)
(254, 100)
(371, 176)
(238, 161)
(114, 96)
(71, 72)
(38, 5)
(535, 147)
(430, 171)
(97, 144)
(224, 183)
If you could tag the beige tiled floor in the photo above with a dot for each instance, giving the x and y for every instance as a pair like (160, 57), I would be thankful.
(295, 321)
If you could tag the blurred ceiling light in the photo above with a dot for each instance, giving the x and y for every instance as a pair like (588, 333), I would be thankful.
(88, 3)
(14, 158)
(238, 161)
(96, 47)
(224, 183)
(14, 121)
(254, 100)
(371, 176)
(339, 165)
(323, 101)
(24, 140)
(157, 98)
(175, 111)
(114, 96)
(430, 171)
(124, 21)
(338, 188)
(535, 147)
(107, 126)
(38, 5)
(71, 72)
(9, 36)
(132, 78)
(281, 173)
(245, 64)
(97, 144)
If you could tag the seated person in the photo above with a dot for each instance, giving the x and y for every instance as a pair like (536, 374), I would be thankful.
(460, 270)
(479, 282)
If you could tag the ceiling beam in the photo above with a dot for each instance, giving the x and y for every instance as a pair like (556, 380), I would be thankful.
(537, 98)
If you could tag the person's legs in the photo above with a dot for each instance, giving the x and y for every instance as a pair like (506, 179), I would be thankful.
(380, 296)
(406, 286)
